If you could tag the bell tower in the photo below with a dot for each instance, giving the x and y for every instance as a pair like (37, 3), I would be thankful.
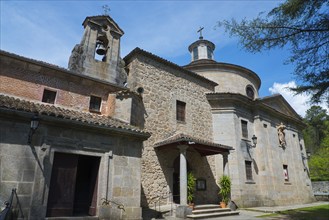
(98, 54)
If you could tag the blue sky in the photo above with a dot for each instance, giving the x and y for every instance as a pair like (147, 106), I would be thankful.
(48, 31)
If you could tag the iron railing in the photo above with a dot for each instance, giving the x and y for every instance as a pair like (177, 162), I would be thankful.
(8, 213)
(157, 201)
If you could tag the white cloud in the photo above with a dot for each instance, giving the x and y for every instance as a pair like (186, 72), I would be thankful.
(299, 102)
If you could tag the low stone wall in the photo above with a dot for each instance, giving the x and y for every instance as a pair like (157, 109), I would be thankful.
(321, 190)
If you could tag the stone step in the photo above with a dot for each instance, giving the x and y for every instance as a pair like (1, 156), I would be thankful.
(207, 206)
(207, 210)
(214, 214)
(73, 218)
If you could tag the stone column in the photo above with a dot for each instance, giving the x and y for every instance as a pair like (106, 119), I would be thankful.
(226, 169)
(183, 175)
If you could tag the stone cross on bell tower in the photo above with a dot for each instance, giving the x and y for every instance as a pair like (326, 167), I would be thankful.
(98, 54)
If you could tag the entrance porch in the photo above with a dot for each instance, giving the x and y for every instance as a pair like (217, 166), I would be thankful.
(197, 161)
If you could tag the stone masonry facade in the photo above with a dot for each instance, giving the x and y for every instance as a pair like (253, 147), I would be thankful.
(162, 87)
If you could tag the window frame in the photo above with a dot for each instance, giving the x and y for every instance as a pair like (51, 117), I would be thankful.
(285, 173)
(248, 170)
(52, 94)
(250, 92)
(201, 184)
(244, 129)
(209, 52)
(195, 53)
(180, 111)
(92, 104)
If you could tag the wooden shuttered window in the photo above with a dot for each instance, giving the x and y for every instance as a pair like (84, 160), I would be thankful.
(180, 111)
(244, 127)
(248, 170)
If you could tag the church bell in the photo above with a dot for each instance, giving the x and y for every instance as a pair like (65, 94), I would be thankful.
(101, 44)
(100, 50)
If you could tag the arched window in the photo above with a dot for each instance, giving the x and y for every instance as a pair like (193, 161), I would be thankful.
(209, 52)
(195, 53)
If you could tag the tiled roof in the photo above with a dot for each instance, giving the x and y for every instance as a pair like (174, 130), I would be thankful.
(56, 68)
(13, 103)
(137, 50)
(3, 52)
(204, 147)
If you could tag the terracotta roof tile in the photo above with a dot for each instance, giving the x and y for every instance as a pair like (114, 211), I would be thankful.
(184, 137)
(18, 104)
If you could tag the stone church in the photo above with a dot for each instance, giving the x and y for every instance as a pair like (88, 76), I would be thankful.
(109, 135)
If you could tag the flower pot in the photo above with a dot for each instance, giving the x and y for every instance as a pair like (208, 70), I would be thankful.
(222, 204)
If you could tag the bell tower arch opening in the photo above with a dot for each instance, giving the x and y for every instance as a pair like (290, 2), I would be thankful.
(98, 54)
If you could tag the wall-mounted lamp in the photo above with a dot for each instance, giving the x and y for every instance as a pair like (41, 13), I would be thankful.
(254, 142)
(34, 125)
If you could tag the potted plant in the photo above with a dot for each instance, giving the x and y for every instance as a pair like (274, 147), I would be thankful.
(191, 181)
(225, 190)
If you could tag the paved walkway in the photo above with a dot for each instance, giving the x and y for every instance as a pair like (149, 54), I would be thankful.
(252, 213)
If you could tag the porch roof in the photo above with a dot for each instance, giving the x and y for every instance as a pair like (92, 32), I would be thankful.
(203, 147)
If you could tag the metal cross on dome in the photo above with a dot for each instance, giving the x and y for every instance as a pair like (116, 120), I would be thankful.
(200, 31)
(106, 9)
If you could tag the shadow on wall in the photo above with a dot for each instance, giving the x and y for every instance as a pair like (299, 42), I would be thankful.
(151, 212)
(198, 165)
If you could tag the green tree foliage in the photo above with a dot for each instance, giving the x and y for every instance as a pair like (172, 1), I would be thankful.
(316, 137)
(316, 131)
(319, 165)
(303, 26)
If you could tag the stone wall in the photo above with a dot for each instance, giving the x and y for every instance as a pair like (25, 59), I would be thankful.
(229, 77)
(268, 186)
(320, 186)
(28, 167)
(321, 190)
(163, 86)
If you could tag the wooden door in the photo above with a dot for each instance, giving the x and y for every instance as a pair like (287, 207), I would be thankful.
(85, 201)
(94, 189)
(62, 185)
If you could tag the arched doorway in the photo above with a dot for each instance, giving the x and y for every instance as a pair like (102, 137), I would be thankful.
(176, 173)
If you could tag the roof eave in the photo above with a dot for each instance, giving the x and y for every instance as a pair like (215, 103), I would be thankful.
(138, 51)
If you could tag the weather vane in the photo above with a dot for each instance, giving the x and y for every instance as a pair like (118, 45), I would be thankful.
(200, 30)
(106, 9)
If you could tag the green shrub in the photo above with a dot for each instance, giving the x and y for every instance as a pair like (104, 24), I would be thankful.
(225, 188)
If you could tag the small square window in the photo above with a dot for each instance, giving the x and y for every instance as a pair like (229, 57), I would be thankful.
(201, 185)
(95, 104)
(285, 173)
(49, 96)
(248, 170)
(180, 111)
(244, 128)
